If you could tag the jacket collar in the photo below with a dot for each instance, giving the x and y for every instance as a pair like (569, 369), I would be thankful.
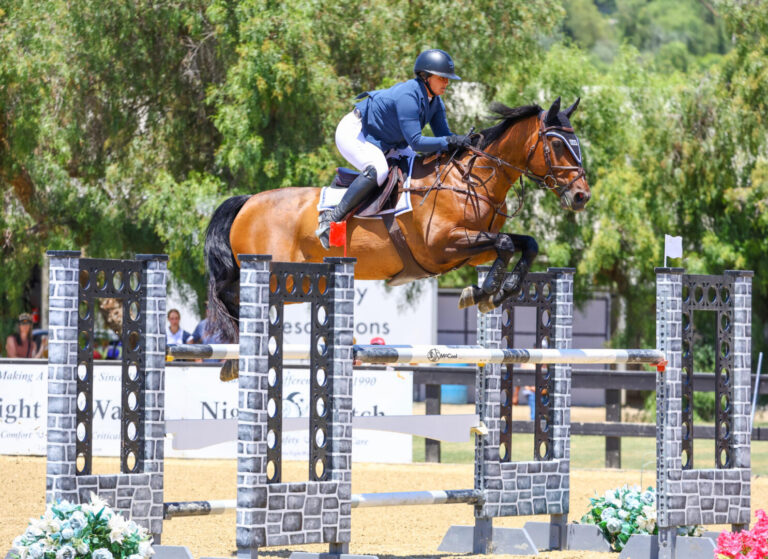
(425, 100)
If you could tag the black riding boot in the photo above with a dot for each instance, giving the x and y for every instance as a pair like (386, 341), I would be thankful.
(356, 193)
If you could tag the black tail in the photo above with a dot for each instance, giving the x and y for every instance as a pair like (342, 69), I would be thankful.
(223, 271)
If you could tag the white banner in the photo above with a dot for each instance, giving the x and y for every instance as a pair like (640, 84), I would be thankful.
(195, 392)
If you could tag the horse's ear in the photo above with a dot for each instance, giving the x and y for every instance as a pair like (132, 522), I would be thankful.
(569, 110)
(553, 112)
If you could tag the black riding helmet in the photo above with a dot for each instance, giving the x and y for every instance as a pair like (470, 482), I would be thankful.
(435, 61)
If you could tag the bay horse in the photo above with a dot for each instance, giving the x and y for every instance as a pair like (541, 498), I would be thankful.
(459, 207)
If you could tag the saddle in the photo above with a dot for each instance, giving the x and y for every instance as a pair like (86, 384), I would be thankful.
(382, 204)
(383, 200)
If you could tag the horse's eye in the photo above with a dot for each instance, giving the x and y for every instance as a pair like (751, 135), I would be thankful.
(557, 145)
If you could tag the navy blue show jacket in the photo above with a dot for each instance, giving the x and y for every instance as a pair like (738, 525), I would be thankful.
(395, 117)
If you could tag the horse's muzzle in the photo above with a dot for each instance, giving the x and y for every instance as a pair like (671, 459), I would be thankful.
(576, 198)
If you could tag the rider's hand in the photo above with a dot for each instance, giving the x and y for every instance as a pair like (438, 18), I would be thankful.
(458, 141)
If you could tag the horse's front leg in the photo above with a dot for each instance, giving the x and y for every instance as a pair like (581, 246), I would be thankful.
(529, 249)
(496, 288)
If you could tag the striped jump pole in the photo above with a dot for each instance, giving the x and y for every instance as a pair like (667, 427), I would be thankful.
(428, 354)
(228, 351)
(482, 355)
(363, 500)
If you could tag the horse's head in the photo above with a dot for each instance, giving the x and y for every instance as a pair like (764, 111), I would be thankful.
(554, 158)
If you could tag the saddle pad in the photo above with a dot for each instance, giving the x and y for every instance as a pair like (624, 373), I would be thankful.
(330, 197)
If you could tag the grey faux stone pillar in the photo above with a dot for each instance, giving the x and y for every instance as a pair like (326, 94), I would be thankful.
(742, 369)
(63, 269)
(137, 495)
(687, 497)
(271, 513)
(538, 487)
(669, 323)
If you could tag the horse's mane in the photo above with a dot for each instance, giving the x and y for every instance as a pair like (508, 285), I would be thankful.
(508, 116)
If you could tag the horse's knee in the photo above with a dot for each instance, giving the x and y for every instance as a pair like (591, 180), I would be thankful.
(505, 246)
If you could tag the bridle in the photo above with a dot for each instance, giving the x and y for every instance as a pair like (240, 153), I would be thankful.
(548, 180)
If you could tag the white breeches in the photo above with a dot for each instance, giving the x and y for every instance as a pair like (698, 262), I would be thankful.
(360, 152)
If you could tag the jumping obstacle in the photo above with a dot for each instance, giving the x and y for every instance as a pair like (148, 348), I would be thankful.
(362, 500)
(274, 513)
(448, 354)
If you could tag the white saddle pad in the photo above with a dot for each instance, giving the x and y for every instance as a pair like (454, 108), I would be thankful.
(330, 197)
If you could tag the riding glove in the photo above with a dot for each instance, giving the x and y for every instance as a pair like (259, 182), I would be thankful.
(458, 141)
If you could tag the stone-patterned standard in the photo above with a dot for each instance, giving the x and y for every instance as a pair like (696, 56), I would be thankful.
(701, 496)
(138, 496)
(270, 514)
(541, 486)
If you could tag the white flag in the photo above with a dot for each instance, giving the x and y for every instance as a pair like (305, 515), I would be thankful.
(673, 247)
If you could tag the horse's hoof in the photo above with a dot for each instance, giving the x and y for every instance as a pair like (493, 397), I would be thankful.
(467, 297)
(230, 370)
(486, 305)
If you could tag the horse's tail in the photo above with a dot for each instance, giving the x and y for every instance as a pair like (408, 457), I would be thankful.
(223, 271)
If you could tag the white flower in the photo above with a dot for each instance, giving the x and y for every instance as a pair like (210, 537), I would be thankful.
(67, 533)
(102, 553)
(83, 548)
(613, 525)
(134, 556)
(623, 514)
(66, 552)
(36, 550)
(98, 504)
(649, 512)
(648, 497)
(78, 521)
(117, 522)
(54, 525)
(145, 549)
(118, 528)
(607, 513)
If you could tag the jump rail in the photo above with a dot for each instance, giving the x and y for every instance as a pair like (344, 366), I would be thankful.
(363, 500)
(428, 354)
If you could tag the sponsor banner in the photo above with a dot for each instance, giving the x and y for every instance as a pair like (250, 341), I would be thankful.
(196, 393)
(380, 312)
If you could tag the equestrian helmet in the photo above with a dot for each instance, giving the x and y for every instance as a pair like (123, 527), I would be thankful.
(435, 61)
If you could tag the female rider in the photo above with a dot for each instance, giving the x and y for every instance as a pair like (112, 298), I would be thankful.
(391, 120)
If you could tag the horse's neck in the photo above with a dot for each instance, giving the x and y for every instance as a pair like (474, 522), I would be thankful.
(513, 146)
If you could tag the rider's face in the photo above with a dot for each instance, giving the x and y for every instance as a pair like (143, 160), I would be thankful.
(438, 84)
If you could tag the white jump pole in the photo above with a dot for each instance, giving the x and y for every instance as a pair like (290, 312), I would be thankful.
(429, 354)
(362, 500)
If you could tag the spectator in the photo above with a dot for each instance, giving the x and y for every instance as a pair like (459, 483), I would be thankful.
(174, 334)
(202, 335)
(21, 344)
(529, 393)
